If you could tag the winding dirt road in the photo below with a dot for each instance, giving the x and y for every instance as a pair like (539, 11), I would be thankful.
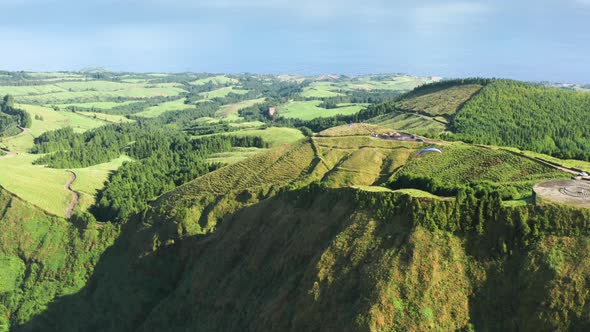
(75, 195)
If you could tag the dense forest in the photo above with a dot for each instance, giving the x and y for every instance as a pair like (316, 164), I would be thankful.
(164, 161)
(528, 116)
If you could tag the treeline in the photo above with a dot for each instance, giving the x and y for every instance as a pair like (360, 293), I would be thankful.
(527, 116)
(444, 188)
(164, 161)
(358, 97)
(11, 117)
(259, 112)
(66, 149)
(489, 227)
(124, 109)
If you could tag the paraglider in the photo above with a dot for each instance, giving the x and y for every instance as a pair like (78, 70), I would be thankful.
(428, 150)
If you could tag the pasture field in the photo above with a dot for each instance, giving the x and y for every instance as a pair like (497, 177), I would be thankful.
(102, 105)
(307, 110)
(92, 96)
(37, 184)
(219, 79)
(439, 102)
(412, 123)
(168, 106)
(321, 90)
(90, 91)
(222, 92)
(44, 186)
(230, 112)
(91, 179)
(113, 118)
(53, 120)
(234, 156)
(273, 135)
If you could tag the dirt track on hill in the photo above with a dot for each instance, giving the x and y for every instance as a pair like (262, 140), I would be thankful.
(75, 195)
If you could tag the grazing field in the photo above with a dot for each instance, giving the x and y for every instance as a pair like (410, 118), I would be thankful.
(439, 101)
(101, 105)
(41, 186)
(273, 135)
(52, 120)
(357, 129)
(230, 112)
(321, 90)
(91, 179)
(237, 154)
(396, 83)
(219, 79)
(222, 92)
(175, 105)
(307, 110)
(334, 88)
(113, 118)
(84, 92)
(412, 123)
(44, 187)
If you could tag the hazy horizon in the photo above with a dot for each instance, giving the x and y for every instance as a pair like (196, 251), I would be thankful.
(534, 41)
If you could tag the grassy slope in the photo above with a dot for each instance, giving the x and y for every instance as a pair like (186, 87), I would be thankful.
(97, 104)
(273, 135)
(323, 89)
(154, 111)
(44, 187)
(308, 110)
(412, 123)
(219, 79)
(42, 257)
(230, 112)
(91, 179)
(439, 101)
(317, 260)
(88, 91)
(113, 118)
(222, 92)
(232, 157)
(461, 164)
(55, 120)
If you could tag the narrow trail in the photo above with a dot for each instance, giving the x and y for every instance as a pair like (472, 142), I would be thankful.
(7, 154)
(75, 195)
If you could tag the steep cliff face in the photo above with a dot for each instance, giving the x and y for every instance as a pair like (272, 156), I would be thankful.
(331, 259)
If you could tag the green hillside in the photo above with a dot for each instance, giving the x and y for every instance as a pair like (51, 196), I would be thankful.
(338, 260)
(43, 257)
(528, 116)
(434, 100)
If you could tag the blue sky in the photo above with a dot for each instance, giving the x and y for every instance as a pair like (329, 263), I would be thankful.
(521, 39)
